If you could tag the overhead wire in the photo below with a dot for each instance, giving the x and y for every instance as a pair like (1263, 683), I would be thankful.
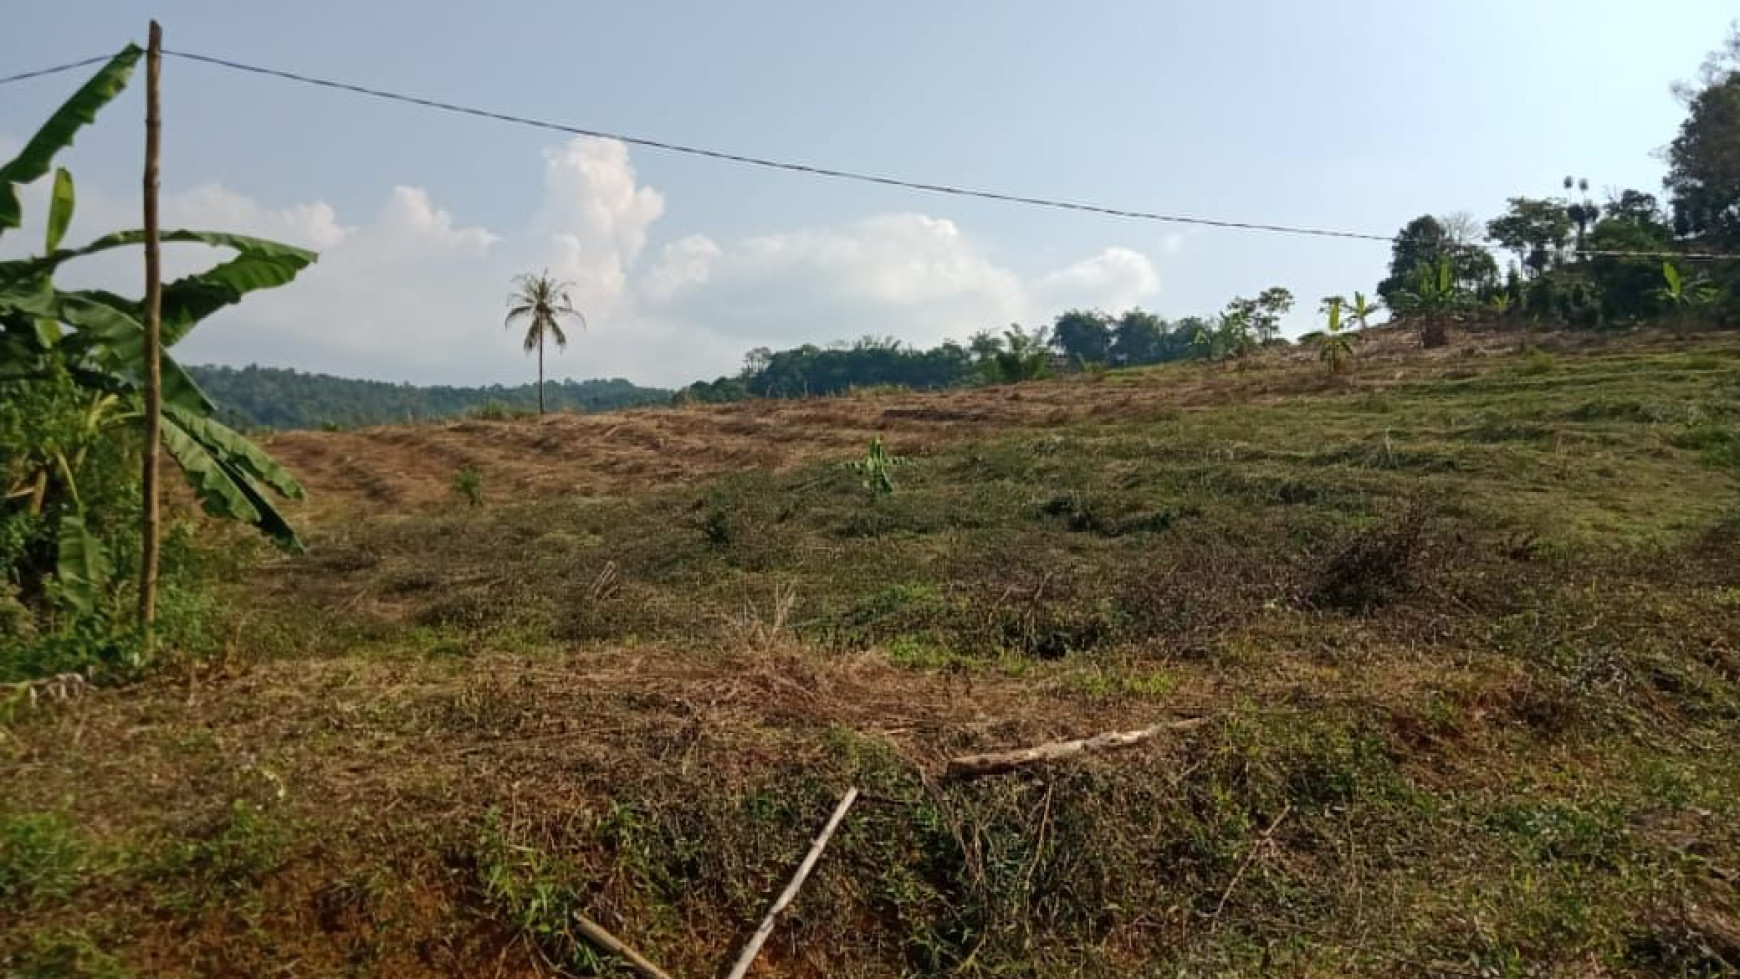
(55, 70)
(931, 187)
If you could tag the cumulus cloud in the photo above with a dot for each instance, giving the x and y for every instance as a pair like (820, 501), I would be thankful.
(215, 206)
(908, 275)
(594, 219)
(416, 291)
(1116, 278)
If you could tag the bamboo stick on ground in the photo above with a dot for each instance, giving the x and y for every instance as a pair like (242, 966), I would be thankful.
(995, 763)
(596, 934)
(753, 947)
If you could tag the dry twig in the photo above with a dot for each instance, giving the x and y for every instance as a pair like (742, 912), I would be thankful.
(995, 763)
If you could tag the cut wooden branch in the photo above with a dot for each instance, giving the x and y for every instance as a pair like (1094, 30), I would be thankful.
(753, 947)
(596, 934)
(996, 763)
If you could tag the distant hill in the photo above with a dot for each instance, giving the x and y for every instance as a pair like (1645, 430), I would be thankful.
(274, 397)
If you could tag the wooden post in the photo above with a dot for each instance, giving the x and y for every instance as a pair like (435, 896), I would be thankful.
(151, 531)
(753, 948)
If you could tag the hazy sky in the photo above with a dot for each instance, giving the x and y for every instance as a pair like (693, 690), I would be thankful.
(1337, 113)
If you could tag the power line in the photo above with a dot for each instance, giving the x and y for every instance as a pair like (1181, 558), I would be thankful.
(756, 161)
(830, 172)
(57, 69)
(927, 187)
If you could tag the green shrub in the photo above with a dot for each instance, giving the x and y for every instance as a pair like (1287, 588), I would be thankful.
(1535, 363)
(468, 483)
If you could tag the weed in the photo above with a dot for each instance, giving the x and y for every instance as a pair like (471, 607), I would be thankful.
(64, 954)
(536, 893)
(468, 483)
(920, 653)
(234, 854)
(1375, 565)
(1107, 682)
(1536, 363)
(1716, 444)
(42, 858)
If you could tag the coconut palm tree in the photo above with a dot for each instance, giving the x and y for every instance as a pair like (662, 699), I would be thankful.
(542, 301)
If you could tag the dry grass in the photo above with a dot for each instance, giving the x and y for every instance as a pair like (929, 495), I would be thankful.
(1470, 622)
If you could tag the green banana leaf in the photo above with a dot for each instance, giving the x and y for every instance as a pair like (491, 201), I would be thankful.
(217, 471)
(242, 244)
(83, 566)
(236, 451)
(57, 133)
(60, 208)
(116, 344)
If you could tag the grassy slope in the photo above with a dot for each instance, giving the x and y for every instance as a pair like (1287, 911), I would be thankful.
(1469, 626)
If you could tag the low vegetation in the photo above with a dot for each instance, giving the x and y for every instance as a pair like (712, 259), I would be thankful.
(1452, 611)
(1465, 625)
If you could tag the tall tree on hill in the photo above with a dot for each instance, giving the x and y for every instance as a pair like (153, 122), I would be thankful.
(1703, 180)
(1535, 229)
(1083, 335)
(1629, 287)
(543, 302)
(1140, 337)
(1583, 213)
(1427, 242)
(1262, 315)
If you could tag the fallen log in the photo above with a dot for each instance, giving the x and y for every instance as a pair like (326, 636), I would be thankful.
(596, 934)
(753, 947)
(995, 763)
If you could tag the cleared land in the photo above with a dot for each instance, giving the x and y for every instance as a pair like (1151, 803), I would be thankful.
(1468, 625)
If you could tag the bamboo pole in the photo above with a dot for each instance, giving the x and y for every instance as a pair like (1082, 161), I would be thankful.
(151, 531)
(596, 934)
(978, 766)
(753, 947)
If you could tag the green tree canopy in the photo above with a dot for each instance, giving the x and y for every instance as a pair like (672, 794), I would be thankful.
(1536, 229)
(1083, 335)
(1422, 246)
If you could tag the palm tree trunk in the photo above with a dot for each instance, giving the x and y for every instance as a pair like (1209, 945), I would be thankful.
(540, 374)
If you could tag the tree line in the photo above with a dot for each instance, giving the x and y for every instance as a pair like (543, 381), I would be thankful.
(1572, 258)
(1077, 339)
(271, 397)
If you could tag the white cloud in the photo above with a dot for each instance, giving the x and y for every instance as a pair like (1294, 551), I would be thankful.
(907, 275)
(214, 206)
(683, 265)
(594, 217)
(1115, 279)
(416, 292)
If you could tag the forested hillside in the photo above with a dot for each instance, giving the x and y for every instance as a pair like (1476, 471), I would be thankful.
(277, 398)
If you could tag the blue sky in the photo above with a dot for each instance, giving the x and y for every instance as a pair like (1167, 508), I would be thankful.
(1354, 115)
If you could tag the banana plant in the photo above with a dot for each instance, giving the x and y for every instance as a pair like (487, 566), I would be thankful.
(1360, 312)
(98, 338)
(1434, 298)
(1684, 296)
(1335, 343)
(877, 468)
